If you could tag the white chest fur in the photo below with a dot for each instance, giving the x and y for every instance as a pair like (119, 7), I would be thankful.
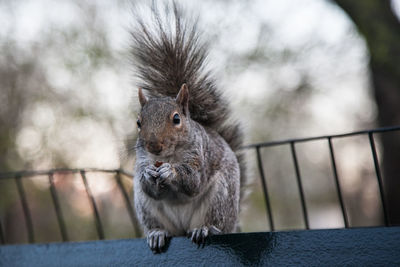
(178, 219)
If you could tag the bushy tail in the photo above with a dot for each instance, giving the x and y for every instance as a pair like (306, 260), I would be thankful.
(168, 53)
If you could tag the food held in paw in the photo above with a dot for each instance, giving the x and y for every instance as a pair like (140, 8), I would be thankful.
(158, 163)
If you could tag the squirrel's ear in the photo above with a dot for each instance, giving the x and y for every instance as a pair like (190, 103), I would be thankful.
(183, 98)
(142, 97)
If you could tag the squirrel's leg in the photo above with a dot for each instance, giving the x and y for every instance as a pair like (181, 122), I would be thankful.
(200, 235)
(223, 213)
(157, 237)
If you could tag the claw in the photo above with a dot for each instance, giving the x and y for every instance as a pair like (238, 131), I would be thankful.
(204, 236)
(199, 235)
(157, 248)
(193, 235)
(214, 230)
(161, 242)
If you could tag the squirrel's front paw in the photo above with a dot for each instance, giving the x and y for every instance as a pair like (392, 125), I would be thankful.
(150, 173)
(200, 235)
(166, 171)
(157, 240)
(152, 183)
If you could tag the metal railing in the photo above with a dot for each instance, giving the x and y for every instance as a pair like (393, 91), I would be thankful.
(18, 176)
(118, 174)
(292, 143)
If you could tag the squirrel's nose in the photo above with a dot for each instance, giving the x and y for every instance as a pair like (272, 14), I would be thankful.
(154, 147)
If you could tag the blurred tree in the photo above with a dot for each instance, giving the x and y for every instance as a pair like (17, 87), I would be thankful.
(377, 22)
(42, 108)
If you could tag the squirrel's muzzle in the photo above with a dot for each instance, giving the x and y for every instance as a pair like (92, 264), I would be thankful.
(154, 147)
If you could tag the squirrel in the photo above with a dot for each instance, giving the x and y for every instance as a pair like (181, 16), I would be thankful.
(189, 169)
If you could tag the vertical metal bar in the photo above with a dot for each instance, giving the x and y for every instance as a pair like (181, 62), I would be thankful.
(57, 208)
(2, 237)
(301, 191)
(264, 187)
(379, 177)
(128, 205)
(337, 183)
(99, 226)
(25, 208)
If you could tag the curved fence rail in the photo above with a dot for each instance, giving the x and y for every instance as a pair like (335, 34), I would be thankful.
(292, 143)
(119, 174)
(18, 176)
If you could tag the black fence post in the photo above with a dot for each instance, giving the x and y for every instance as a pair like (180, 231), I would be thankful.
(300, 186)
(57, 208)
(99, 226)
(2, 237)
(337, 183)
(379, 177)
(128, 205)
(265, 190)
(25, 208)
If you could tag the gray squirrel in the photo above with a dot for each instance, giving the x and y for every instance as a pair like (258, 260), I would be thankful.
(189, 169)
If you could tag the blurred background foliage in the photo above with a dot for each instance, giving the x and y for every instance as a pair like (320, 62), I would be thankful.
(290, 69)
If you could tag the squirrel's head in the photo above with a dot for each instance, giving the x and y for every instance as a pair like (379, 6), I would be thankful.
(163, 122)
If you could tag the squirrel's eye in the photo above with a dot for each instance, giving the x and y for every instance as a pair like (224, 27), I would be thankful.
(139, 124)
(176, 119)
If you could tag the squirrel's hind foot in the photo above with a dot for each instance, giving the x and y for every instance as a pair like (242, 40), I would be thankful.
(199, 235)
(158, 240)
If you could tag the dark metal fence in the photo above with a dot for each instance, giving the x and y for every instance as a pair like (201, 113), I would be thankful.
(18, 176)
(118, 174)
(328, 138)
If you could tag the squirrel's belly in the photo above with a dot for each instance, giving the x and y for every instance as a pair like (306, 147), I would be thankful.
(178, 219)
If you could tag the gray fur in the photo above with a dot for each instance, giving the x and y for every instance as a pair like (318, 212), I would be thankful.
(196, 190)
(194, 197)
